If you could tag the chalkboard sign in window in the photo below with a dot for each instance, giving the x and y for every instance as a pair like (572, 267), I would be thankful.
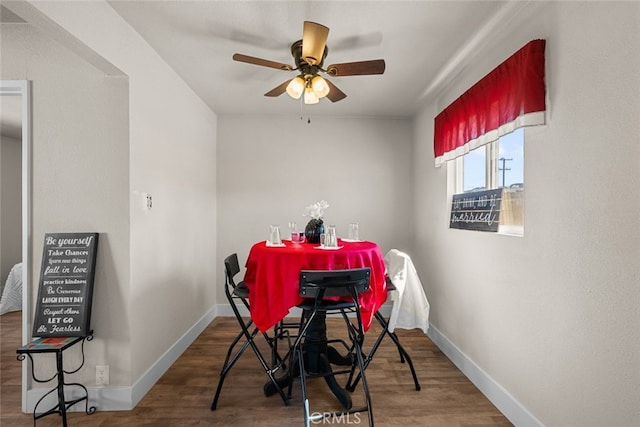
(479, 210)
(65, 290)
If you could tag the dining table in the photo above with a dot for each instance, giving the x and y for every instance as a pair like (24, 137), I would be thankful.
(273, 273)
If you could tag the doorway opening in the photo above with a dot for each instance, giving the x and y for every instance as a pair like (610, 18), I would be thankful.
(17, 94)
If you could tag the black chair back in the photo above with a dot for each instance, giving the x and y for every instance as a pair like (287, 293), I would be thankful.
(231, 268)
(332, 283)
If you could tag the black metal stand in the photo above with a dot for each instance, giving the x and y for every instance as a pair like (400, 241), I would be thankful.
(57, 346)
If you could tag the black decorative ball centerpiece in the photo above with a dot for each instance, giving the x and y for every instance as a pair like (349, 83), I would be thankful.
(315, 226)
(313, 230)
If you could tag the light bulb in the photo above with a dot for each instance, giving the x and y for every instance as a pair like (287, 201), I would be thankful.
(295, 87)
(310, 97)
(320, 86)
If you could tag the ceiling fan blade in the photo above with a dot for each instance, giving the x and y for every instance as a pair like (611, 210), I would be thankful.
(362, 68)
(314, 40)
(263, 62)
(334, 94)
(279, 90)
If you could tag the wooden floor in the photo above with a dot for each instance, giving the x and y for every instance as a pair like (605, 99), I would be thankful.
(183, 395)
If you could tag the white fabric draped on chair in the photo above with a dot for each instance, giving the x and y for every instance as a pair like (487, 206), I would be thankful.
(410, 308)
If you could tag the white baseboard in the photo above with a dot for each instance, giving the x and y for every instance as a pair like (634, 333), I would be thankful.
(498, 395)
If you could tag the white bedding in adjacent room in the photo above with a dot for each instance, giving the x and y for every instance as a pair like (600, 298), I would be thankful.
(12, 293)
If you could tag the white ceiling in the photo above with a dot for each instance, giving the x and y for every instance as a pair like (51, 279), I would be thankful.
(419, 40)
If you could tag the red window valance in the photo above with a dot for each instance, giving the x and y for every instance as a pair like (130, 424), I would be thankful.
(509, 97)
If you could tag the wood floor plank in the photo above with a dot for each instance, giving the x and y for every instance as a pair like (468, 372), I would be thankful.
(183, 395)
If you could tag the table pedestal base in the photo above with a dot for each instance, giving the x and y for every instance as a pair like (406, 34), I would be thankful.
(318, 357)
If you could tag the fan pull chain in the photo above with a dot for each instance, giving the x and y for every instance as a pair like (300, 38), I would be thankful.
(301, 103)
(301, 115)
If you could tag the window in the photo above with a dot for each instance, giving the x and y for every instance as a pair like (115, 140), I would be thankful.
(480, 135)
(499, 164)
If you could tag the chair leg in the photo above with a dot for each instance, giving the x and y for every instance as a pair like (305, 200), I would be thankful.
(353, 382)
(303, 386)
(280, 332)
(365, 387)
(269, 372)
(227, 365)
(249, 341)
(318, 417)
(357, 338)
(404, 355)
(402, 351)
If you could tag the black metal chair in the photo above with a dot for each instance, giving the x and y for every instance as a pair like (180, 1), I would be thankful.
(410, 309)
(312, 352)
(238, 294)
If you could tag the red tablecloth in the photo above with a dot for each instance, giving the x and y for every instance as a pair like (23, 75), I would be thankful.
(273, 275)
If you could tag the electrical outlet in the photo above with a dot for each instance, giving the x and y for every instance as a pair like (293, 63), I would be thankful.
(102, 375)
(147, 202)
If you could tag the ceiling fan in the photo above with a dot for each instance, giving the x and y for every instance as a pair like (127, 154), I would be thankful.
(309, 55)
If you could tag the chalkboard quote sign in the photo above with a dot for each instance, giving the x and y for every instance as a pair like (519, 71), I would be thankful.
(65, 290)
(479, 210)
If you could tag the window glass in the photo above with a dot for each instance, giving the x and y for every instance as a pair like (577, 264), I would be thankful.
(474, 170)
(510, 161)
(499, 164)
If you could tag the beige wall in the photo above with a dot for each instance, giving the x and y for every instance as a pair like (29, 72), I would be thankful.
(113, 121)
(80, 172)
(270, 170)
(551, 317)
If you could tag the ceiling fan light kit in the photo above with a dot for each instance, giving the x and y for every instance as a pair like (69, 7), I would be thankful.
(296, 87)
(319, 86)
(309, 55)
(310, 96)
